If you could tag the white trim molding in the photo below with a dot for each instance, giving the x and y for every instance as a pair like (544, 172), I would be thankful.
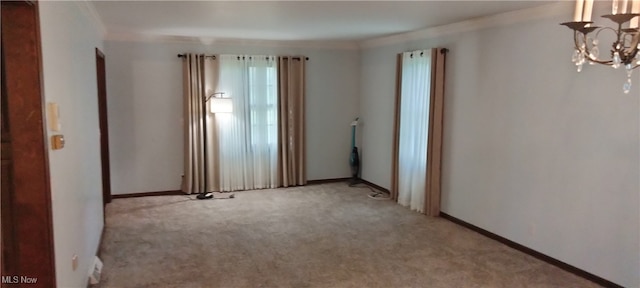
(507, 18)
(137, 37)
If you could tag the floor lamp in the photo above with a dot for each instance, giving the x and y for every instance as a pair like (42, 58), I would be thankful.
(218, 105)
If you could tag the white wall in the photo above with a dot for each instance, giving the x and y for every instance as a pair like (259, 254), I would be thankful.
(533, 151)
(69, 38)
(144, 87)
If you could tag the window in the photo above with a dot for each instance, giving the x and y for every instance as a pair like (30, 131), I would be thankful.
(248, 137)
(263, 99)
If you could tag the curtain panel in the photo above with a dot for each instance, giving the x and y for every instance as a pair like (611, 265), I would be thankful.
(413, 134)
(417, 150)
(291, 122)
(436, 116)
(194, 128)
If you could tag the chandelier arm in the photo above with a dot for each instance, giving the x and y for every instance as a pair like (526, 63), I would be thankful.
(608, 62)
(587, 50)
(575, 39)
(619, 35)
(604, 29)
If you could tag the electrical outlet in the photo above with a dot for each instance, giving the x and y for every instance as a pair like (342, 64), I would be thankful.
(74, 262)
(96, 271)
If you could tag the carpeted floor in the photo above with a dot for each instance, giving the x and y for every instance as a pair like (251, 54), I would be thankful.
(327, 235)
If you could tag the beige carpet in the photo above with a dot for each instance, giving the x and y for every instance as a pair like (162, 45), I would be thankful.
(327, 235)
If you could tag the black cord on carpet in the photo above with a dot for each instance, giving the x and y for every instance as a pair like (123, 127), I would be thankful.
(230, 196)
(375, 194)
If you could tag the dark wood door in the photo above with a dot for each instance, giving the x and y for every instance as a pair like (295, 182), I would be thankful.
(104, 127)
(27, 226)
(7, 203)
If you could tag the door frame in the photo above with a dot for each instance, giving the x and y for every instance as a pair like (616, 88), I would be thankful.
(104, 126)
(32, 219)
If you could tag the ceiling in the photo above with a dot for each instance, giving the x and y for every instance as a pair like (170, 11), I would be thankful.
(291, 20)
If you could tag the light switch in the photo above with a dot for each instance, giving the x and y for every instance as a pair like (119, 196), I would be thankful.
(54, 117)
(57, 142)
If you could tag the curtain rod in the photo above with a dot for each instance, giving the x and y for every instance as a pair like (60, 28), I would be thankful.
(206, 56)
(214, 57)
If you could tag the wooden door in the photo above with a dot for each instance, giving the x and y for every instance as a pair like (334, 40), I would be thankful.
(104, 127)
(6, 199)
(27, 226)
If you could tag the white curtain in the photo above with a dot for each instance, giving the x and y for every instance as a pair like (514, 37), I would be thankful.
(414, 127)
(247, 137)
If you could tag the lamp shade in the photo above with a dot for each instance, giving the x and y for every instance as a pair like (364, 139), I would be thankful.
(221, 105)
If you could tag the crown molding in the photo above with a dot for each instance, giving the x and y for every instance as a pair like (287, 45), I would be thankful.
(138, 37)
(90, 9)
(502, 19)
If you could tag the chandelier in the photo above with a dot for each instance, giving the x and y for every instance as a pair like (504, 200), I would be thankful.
(624, 49)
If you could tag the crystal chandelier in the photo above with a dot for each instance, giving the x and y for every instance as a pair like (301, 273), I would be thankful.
(624, 52)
